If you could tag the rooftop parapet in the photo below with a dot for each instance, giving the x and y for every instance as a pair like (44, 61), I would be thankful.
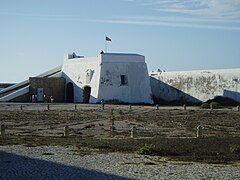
(72, 56)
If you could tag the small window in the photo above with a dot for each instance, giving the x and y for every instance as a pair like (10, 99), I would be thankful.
(124, 80)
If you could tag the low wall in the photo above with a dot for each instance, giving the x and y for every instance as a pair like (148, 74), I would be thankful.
(196, 86)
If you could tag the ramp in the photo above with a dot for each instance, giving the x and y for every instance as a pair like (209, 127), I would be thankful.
(22, 88)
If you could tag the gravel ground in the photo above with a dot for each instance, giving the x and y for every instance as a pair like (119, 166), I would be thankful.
(57, 162)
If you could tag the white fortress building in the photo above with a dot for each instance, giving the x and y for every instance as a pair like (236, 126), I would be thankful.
(123, 78)
(112, 77)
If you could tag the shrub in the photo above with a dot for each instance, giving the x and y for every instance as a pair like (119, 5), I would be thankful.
(205, 105)
(234, 148)
(215, 105)
(146, 150)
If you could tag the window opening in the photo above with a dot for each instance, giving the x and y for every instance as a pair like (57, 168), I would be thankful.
(124, 79)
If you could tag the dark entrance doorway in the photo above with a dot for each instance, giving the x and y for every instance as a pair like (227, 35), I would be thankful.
(86, 94)
(70, 93)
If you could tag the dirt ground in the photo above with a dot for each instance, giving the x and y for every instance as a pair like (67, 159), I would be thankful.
(170, 127)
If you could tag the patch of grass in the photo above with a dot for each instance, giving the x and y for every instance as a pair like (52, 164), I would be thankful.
(215, 105)
(155, 151)
(206, 105)
(146, 150)
(234, 148)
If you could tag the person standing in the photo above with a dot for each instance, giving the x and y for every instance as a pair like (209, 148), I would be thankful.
(51, 99)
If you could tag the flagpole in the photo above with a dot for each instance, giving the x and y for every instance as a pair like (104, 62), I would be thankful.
(105, 46)
(106, 41)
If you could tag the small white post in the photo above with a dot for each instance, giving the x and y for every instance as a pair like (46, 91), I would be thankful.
(3, 128)
(133, 131)
(238, 108)
(111, 112)
(211, 107)
(102, 103)
(66, 131)
(157, 106)
(130, 107)
(199, 131)
(112, 128)
(185, 107)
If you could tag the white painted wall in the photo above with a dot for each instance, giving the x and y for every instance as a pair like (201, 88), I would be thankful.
(137, 89)
(202, 84)
(75, 70)
(106, 82)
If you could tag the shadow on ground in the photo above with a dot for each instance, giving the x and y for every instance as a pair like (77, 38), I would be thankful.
(13, 166)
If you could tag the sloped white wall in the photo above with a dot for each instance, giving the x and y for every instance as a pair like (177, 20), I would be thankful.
(15, 94)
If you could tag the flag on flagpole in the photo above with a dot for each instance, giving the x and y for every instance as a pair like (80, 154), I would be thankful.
(108, 39)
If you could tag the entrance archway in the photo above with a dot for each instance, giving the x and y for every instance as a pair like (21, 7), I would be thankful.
(86, 94)
(70, 93)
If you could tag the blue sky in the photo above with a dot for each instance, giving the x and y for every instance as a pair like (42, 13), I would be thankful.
(172, 34)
